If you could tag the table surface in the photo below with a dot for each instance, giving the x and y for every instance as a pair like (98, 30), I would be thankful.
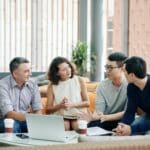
(7, 139)
(13, 140)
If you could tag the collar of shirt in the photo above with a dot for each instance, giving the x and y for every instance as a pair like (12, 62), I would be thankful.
(14, 83)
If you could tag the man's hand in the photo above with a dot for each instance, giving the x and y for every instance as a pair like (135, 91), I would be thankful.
(122, 129)
(97, 115)
(104, 117)
(16, 116)
(85, 116)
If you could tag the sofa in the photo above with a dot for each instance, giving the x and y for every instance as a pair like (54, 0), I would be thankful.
(141, 143)
(91, 91)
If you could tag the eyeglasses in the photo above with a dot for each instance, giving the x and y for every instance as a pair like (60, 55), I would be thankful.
(109, 67)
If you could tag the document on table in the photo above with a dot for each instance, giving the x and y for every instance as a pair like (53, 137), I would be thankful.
(98, 131)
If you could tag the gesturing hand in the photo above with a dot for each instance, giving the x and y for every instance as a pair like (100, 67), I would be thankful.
(85, 116)
(65, 103)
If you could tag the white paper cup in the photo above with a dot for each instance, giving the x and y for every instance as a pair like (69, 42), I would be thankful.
(82, 126)
(9, 123)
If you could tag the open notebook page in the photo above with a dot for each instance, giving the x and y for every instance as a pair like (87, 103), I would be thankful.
(98, 131)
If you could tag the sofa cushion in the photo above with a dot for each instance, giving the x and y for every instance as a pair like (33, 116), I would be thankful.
(43, 90)
(44, 104)
(91, 86)
(92, 100)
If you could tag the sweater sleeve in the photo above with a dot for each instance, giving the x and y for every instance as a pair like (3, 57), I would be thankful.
(129, 115)
(100, 101)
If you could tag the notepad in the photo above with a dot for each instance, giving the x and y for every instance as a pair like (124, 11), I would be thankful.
(98, 131)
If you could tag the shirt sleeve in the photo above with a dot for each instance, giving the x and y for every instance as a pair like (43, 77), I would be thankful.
(100, 101)
(36, 100)
(5, 101)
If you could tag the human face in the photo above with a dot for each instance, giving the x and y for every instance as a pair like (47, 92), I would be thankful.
(22, 73)
(129, 77)
(112, 70)
(64, 71)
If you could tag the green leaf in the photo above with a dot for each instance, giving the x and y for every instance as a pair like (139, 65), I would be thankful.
(79, 57)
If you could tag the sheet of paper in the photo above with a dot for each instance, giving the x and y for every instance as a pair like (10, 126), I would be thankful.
(98, 131)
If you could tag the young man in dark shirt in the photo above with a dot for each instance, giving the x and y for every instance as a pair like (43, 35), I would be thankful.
(138, 92)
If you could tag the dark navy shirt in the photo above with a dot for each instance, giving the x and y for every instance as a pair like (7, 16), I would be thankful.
(137, 98)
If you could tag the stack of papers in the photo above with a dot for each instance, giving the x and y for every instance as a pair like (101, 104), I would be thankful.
(98, 131)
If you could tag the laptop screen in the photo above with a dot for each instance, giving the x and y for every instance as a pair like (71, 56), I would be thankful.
(46, 127)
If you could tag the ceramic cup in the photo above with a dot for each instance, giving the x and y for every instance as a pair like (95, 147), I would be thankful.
(8, 122)
(82, 127)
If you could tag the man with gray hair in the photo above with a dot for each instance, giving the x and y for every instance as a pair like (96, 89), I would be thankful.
(17, 94)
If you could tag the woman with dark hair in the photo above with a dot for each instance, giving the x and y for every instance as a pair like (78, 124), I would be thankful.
(67, 95)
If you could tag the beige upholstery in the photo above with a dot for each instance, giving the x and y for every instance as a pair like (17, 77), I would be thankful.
(142, 144)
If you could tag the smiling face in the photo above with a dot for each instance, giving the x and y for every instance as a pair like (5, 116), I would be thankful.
(22, 73)
(112, 70)
(64, 71)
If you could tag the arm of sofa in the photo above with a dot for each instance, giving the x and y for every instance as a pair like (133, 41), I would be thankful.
(43, 90)
(91, 89)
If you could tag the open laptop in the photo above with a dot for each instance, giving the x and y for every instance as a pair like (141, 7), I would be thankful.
(48, 127)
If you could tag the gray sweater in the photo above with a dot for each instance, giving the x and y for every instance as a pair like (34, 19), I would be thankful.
(111, 99)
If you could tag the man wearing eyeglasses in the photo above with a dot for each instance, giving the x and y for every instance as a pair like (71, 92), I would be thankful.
(111, 96)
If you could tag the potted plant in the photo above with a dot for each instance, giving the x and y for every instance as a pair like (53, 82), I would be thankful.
(79, 57)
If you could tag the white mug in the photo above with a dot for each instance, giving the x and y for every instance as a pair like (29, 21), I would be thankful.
(9, 123)
(82, 126)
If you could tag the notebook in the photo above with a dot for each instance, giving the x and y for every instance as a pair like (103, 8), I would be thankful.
(92, 131)
(48, 127)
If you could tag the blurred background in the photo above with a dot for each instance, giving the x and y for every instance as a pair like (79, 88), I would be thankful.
(84, 31)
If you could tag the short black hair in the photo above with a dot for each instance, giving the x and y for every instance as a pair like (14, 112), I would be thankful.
(53, 69)
(136, 65)
(15, 62)
(118, 57)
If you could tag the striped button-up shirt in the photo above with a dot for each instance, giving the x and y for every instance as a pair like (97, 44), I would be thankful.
(14, 98)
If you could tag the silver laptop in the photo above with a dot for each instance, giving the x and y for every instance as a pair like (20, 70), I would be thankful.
(48, 127)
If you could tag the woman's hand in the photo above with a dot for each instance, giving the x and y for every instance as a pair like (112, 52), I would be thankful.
(85, 116)
(65, 104)
(90, 116)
